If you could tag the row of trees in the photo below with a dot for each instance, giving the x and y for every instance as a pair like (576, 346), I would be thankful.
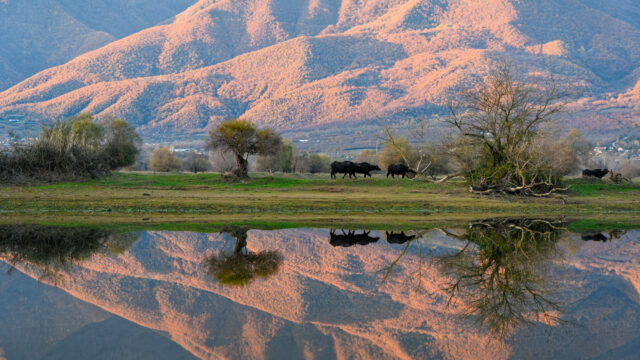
(230, 147)
(69, 149)
(288, 160)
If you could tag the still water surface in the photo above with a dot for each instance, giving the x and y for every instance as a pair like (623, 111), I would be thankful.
(496, 289)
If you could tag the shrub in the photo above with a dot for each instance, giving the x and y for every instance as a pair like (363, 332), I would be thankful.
(163, 160)
(71, 149)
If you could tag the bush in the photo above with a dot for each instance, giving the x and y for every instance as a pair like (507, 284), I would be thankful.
(196, 162)
(390, 155)
(71, 149)
(280, 161)
(163, 160)
(368, 156)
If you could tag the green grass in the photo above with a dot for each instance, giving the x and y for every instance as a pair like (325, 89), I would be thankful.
(582, 188)
(297, 200)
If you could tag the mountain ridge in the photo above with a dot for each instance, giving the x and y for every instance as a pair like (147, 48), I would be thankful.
(38, 34)
(341, 62)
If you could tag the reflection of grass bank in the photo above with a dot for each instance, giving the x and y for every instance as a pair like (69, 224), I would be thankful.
(293, 201)
(121, 224)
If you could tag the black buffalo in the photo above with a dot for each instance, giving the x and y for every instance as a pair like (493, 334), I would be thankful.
(350, 238)
(399, 169)
(343, 167)
(366, 168)
(398, 238)
(599, 173)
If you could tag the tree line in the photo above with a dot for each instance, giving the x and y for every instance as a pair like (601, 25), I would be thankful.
(231, 147)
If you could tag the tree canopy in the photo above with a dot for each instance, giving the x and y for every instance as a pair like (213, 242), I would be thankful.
(242, 138)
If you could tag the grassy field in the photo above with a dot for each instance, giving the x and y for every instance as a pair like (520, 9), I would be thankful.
(160, 201)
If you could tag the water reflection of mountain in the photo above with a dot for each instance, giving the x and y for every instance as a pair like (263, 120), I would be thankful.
(42, 322)
(320, 302)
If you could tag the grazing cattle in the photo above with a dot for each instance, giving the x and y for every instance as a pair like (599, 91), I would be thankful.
(399, 169)
(599, 173)
(366, 168)
(343, 167)
(594, 237)
(398, 238)
(350, 238)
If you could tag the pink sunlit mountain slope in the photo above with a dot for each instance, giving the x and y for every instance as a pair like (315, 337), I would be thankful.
(38, 34)
(301, 64)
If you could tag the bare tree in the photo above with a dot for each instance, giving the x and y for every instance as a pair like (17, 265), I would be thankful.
(414, 157)
(501, 118)
(222, 162)
(196, 162)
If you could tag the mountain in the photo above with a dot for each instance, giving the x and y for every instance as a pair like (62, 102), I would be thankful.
(38, 34)
(303, 64)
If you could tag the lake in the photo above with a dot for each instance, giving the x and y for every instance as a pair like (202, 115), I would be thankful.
(496, 289)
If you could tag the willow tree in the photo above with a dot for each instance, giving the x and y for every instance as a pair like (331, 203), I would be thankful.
(242, 139)
(502, 117)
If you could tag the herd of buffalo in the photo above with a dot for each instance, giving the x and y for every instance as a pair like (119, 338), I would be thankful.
(350, 168)
(350, 237)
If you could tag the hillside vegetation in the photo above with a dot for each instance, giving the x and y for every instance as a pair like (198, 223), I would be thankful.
(291, 64)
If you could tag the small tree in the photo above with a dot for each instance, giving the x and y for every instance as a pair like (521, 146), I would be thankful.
(319, 163)
(242, 139)
(283, 160)
(122, 143)
(582, 147)
(196, 162)
(399, 150)
(163, 160)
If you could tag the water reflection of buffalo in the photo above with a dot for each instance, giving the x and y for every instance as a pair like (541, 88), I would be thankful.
(351, 238)
(398, 238)
(594, 237)
(614, 234)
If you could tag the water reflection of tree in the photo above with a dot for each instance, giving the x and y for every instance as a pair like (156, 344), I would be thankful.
(241, 267)
(499, 274)
(408, 239)
(51, 251)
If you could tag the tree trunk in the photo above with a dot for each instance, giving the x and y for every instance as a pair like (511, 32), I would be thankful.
(242, 165)
(239, 246)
